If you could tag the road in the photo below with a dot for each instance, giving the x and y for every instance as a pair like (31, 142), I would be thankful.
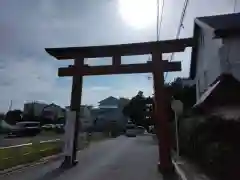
(121, 158)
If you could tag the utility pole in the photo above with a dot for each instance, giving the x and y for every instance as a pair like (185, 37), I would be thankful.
(10, 106)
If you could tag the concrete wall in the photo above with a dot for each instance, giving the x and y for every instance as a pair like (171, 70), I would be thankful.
(230, 56)
(208, 62)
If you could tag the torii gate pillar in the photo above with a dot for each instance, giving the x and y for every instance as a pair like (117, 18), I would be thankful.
(161, 114)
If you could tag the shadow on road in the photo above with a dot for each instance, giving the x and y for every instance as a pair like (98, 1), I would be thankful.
(146, 141)
(53, 174)
(171, 177)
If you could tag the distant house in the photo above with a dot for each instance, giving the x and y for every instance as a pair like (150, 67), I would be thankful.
(215, 61)
(110, 102)
(110, 110)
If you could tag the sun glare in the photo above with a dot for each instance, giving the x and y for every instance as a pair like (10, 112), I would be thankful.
(138, 13)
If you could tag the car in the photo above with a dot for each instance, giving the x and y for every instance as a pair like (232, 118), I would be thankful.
(140, 130)
(131, 130)
(26, 128)
(47, 127)
(131, 133)
(59, 128)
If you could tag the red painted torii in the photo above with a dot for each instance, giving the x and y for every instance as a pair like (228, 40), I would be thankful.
(157, 66)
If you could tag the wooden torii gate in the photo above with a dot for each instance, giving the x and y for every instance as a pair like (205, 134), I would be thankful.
(157, 66)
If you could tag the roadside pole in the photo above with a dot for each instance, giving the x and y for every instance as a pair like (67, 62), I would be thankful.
(176, 133)
(177, 107)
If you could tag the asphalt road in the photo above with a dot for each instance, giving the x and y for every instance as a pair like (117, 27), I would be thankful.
(121, 158)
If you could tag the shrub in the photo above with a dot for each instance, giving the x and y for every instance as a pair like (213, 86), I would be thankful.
(213, 143)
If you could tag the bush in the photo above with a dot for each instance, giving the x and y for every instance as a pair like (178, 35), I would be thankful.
(213, 143)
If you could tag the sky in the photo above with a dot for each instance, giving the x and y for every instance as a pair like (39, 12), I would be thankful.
(28, 73)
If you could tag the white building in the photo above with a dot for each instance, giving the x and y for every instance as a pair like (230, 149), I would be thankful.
(110, 110)
(85, 116)
(216, 50)
(41, 109)
(215, 63)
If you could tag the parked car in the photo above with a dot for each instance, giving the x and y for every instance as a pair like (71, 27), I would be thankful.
(140, 130)
(26, 128)
(59, 128)
(131, 130)
(48, 127)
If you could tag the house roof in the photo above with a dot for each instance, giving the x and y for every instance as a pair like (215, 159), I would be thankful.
(222, 22)
(221, 25)
(224, 91)
(109, 101)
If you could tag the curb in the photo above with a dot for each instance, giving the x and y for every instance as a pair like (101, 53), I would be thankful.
(41, 161)
(187, 171)
(179, 171)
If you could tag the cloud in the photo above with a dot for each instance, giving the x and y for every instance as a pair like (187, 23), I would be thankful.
(27, 27)
(27, 80)
(100, 88)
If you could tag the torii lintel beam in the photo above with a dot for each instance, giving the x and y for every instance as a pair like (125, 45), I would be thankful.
(167, 46)
(121, 69)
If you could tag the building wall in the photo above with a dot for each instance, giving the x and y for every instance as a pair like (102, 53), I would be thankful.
(106, 115)
(230, 58)
(86, 117)
(38, 107)
(110, 110)
(208, 62)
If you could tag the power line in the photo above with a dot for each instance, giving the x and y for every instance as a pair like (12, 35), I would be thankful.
(157, 24)
(159, 21)
(180, 26)
(234, 6)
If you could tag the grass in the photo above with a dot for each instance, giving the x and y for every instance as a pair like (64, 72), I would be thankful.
(35, 150)
(22, 154)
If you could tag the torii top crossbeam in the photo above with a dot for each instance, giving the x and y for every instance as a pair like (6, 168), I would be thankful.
(167, 46)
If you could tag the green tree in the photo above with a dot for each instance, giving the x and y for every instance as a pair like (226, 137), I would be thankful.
(136, 110)
(14, 116)
(187, 94)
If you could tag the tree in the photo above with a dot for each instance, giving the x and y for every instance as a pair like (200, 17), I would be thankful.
(14, 116)
(187, 94)
(136, 110)
(140, 108)
(2, 115)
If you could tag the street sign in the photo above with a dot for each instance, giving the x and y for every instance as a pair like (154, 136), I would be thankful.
(177, 106)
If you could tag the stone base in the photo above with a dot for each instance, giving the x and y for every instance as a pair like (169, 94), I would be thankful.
(68, 163)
